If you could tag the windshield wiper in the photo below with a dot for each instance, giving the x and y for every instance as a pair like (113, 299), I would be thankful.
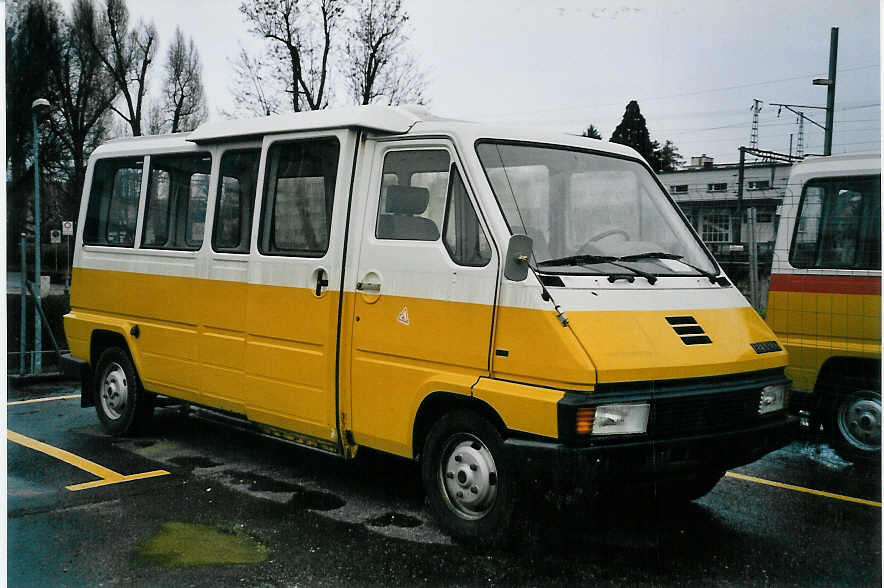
(680, 259)
(586, 259)
(651, 278)
(578, 259)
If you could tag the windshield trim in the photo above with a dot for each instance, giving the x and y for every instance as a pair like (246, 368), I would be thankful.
(590, 151)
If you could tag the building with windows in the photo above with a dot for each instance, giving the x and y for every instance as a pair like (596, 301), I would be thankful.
(707, 193)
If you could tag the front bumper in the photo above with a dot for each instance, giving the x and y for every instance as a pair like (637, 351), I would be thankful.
(618, 463)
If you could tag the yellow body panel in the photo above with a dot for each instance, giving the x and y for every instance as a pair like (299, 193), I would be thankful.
(641, 345)
(265, 351)
(394, 366)
(523, 408)
(817, 326)
(540, 351)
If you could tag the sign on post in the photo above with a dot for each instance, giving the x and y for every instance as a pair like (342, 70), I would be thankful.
(55, 236)
(67, 228)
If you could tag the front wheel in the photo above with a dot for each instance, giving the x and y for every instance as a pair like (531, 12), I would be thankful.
(855, 425)
(470, 488)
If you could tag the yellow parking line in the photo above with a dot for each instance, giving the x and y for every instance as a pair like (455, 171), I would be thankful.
(107, 476)
(802, 489)
(44, 399)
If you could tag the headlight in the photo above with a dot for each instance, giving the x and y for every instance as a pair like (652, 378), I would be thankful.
(621, 419)
(773, 398)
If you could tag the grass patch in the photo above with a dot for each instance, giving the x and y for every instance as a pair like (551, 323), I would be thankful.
(179, 545)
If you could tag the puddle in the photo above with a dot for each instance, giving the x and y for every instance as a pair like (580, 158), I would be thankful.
(313, 500)
(302, 498)
(194, 461)
(179, 545)
(823, 455)
(259, 483)
(394, 519)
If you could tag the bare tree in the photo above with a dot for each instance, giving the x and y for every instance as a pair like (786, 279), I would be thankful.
(256, 91)
(379, 64)
(156, 120)
(301, 34)
(184, 99)
(83, 93)
(127, 55)
(33, 41)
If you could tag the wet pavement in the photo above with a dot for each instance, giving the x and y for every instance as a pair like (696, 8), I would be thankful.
(236, 509)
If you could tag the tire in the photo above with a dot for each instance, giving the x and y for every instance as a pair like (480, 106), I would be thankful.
(854, 425)
(688, 490)
(470, 488)
(122, 405)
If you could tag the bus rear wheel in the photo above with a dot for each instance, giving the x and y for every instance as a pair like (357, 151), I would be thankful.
(855, 426)
(470, 488)
(122, 405)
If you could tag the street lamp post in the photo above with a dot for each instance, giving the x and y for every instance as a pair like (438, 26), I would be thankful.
(39, 106)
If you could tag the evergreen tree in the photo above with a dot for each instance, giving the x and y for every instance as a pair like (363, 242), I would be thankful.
(633, 131)
(592, 133)
(666, 158)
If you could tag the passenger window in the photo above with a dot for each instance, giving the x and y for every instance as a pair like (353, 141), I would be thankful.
(299, 195)
(236, 201)
(113, 202)
(413, 194)
(177, 192)
(839, 225)
(464, 239)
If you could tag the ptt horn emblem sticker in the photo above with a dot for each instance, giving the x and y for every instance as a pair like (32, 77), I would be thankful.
(403, 316)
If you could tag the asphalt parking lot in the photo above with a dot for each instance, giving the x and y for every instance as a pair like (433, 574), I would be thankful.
(191, 503)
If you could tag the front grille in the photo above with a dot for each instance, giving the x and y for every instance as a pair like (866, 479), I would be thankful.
(688, 415)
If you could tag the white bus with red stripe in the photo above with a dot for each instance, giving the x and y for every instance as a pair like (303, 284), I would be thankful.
(825, 297)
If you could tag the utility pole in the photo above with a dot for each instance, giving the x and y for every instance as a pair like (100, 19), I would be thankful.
(39, 105)
(830, 94)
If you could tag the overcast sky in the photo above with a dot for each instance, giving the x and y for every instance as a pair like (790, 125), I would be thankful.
(694, 66)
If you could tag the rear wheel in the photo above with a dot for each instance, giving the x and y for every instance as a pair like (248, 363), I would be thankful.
(855, 425)
(470, 488)
(120, 401)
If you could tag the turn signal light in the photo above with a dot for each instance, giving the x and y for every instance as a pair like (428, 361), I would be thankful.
(585, 418)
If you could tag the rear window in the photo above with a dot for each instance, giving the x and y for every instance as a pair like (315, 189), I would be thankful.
(113, 202)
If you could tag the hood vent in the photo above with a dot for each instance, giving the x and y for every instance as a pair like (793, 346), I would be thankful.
(688, 330)
(766, 347)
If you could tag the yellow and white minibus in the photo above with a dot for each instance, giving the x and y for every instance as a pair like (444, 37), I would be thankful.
(825, 297)
(502, 305)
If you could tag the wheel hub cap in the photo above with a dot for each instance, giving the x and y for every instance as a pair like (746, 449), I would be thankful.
(469, 477)
(114, 391)
(859, 421)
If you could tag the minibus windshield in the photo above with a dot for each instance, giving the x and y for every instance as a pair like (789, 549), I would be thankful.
(590, 213)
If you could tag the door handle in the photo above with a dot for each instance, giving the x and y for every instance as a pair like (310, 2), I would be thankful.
(368, 287)
(321, 282)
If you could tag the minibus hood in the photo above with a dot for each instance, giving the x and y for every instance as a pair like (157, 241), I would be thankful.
(654, 344)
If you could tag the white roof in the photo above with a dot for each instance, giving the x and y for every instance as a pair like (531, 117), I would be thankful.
(386, 119)
(413, 120)
(837, 165)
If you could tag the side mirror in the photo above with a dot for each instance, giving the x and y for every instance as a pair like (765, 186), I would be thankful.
(517, 254)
